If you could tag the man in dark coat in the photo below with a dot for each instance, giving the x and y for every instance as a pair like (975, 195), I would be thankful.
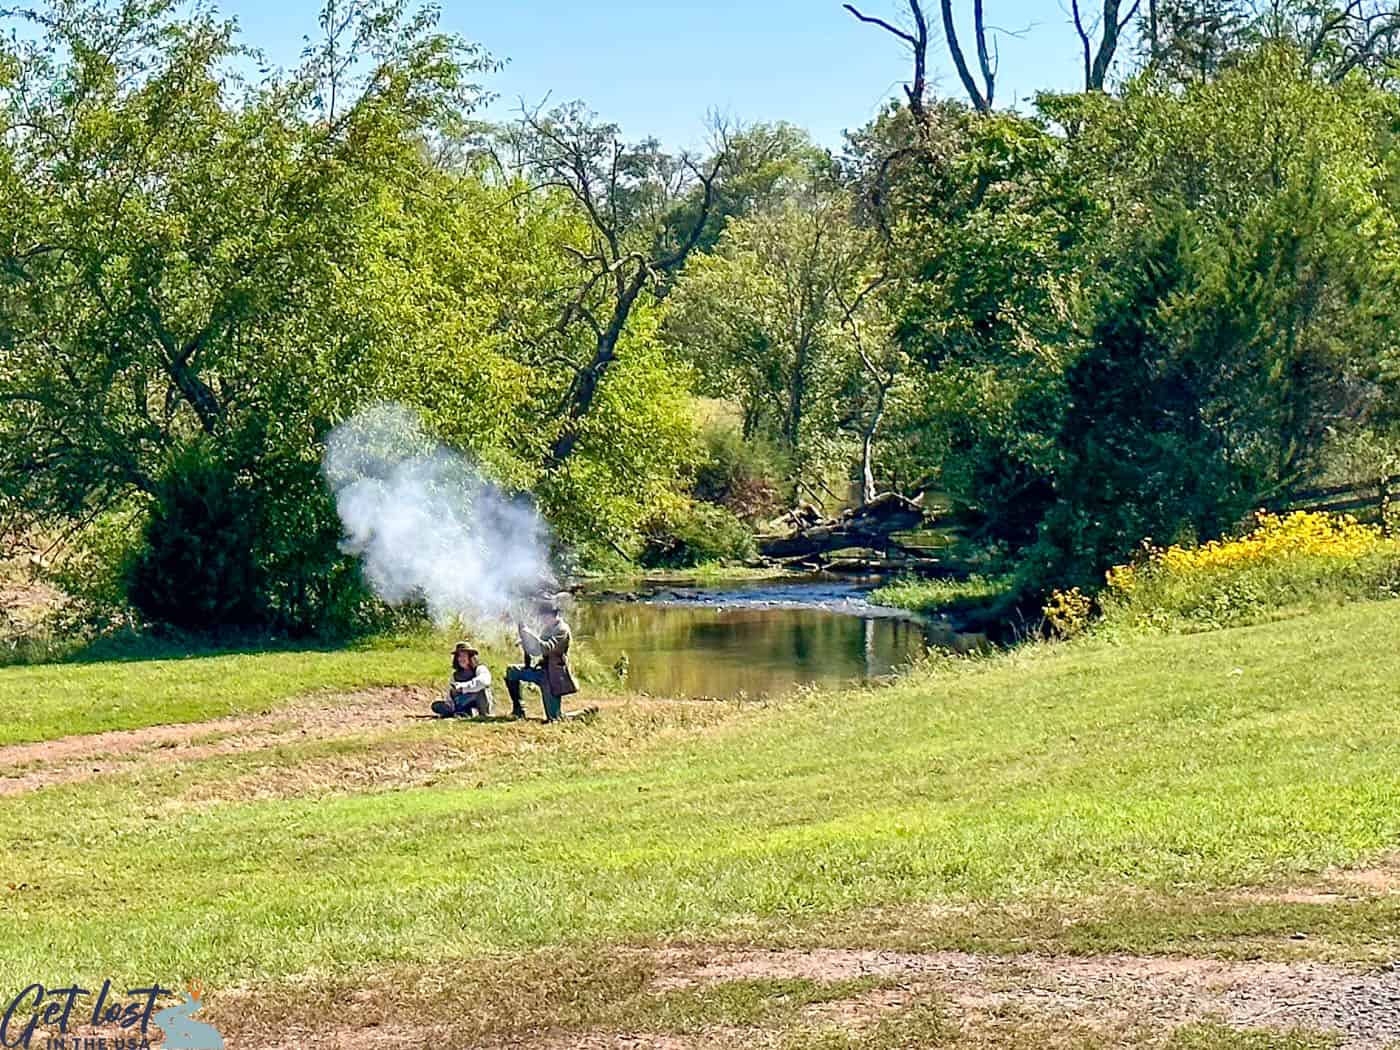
(546, 663)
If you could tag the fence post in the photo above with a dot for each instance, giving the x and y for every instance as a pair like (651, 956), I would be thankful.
(1383, 487)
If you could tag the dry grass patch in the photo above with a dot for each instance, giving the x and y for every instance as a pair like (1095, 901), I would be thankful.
(853, 999)
(366, 721)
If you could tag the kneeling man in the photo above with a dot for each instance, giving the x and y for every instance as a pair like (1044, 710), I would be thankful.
(551, 647)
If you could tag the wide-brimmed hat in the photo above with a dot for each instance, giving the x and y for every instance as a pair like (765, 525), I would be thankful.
(465, 647)
(548, 601)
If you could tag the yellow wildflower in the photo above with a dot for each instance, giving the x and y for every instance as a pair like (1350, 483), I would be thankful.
(1273, 537)
(1068, 611)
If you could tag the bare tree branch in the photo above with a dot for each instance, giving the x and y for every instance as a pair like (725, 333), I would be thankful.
(918, 41)
(1083, 39)
(913, 42)
(1132, 13)
(989, 71)
(1109, 24)
(981, 102)
(1369, 33)
(1110, 27)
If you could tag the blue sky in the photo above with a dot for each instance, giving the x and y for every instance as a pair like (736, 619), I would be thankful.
(657, 68)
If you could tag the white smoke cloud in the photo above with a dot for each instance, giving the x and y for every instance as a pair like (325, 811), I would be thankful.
(428, 526)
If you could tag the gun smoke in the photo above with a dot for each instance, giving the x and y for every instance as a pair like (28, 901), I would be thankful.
(426, 524)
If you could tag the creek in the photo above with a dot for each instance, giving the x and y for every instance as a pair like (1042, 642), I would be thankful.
(750, 639)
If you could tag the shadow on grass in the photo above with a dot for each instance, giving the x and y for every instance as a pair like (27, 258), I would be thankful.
(586, 714)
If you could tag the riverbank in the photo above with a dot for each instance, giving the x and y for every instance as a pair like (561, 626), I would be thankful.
(705, 573)
(327, 866)
(974, 595)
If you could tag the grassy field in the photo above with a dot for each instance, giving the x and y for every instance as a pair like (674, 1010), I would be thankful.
(1161, 798)
(45, 701)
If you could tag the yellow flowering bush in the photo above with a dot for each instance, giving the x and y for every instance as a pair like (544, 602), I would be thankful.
(1282, 562)
(1067, 612)
(1299, 534)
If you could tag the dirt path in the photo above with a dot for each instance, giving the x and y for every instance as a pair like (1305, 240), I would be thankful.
(1362, 1008)
(26, 767)
(1124, 1000)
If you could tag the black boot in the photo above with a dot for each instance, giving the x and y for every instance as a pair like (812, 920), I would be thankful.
(517, 709)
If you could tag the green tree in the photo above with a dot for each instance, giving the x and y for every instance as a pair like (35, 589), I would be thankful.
(1159, 320)
(765, 320)
(760, 166)
(629, 195)
(184, 258)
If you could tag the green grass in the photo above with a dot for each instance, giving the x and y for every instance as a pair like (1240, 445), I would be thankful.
(1218, 1037)
(1170, 768)
(925, 1025)
(46, 701)
(50, 700)
(932, 596)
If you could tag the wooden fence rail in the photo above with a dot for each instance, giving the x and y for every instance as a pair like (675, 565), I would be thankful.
(1372, 495)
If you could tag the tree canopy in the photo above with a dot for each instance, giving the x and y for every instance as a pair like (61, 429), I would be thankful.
(1140, 309)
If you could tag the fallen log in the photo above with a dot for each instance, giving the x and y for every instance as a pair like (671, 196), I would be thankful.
(876, 566)
(869, 526)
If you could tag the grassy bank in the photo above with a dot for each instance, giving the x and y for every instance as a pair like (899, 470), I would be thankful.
(161, 685)
(1039, 782)
(1279, 566)
(942, 596)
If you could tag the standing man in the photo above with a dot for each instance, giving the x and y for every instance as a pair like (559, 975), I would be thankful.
(469, 692)
(550, 647)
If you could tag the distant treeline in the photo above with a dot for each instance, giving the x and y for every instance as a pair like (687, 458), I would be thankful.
(1139, 310)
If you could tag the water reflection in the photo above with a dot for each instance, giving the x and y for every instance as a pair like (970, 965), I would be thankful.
(677, 648)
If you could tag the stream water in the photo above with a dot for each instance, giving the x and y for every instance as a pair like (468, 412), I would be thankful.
(749, 639)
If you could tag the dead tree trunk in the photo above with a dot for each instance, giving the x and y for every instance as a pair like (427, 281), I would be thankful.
(1109, 27)
(871, 527)
(568, 150)
(981, 95)
(867, 446)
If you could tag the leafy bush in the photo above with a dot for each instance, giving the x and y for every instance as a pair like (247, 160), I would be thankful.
(255, 547)
(1282, 563)
(702, 532)
(745, 476)
(195, 567)
(1067, 612)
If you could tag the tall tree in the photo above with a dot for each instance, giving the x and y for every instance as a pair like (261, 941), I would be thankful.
(189, 260)
(1192, 40)
(767, 320)
(628, 192)
(1108, 24)
(1165, 318)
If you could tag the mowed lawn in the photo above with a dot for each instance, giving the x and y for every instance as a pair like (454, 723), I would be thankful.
(1081, 773)
(46, 701)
